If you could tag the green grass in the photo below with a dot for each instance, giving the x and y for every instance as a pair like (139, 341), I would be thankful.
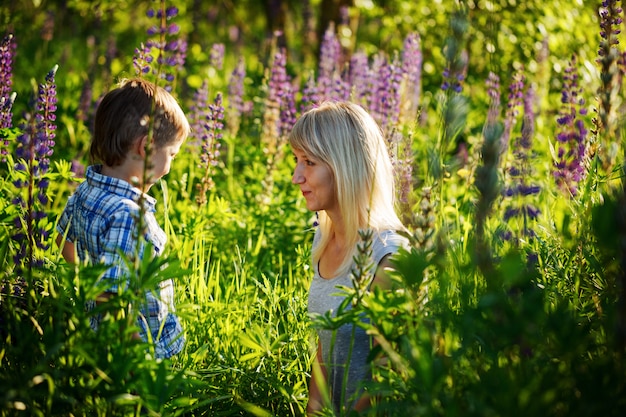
(475, 330)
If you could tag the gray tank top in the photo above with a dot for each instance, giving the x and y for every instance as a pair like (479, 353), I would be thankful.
(346, 348)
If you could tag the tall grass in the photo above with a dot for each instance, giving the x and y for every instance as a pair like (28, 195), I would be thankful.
(511, 297)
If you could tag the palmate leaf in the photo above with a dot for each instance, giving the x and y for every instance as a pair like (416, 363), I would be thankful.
(411, 266)
(256, 339)
(152, 270)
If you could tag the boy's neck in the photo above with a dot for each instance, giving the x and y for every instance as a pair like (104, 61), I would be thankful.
(130, 172)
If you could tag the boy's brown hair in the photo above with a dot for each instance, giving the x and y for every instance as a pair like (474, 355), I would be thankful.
(124, 115)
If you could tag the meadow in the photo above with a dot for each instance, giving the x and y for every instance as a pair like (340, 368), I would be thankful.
(507, 137)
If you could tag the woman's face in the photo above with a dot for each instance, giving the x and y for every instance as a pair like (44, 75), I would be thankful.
(316, 182)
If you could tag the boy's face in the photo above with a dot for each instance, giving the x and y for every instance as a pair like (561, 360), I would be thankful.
(162, 159)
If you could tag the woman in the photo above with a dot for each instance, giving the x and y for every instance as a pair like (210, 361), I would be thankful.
(346, 176)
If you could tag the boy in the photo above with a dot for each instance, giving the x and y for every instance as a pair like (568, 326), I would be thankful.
(100, 218)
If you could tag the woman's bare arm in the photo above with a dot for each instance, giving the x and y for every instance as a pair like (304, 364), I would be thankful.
(316, 384)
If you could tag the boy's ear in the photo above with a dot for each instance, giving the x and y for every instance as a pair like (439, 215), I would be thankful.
(140, 146)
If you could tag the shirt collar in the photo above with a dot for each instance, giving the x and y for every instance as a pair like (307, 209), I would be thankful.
(118, 186)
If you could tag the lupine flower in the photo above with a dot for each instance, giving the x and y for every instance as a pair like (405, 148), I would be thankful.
(412, 75)
(47, 30)
(329, 64)
(454, 74)
(512, 110)
(236, 105)
(287, 110)
(519, 187)
(344, 15)
(361, 274)
(309, 95)
(360, 78)
(199, 114)
(210, 134)
(381, 88)
(608, 57)
(487, 179)
(572, 146)
(85, 102)
(278, 118)
(170, 51)
(456, 55)
(280, 96)
(402, 159)
(7, 52)
(216, 56)
(452, 80)
(454, 106)
(78, 168)
(340, 87)
(142, 60)
(35, 146)
(392, 107)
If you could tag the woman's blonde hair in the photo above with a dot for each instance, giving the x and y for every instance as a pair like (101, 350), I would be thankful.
(124, 115)
(346, 138)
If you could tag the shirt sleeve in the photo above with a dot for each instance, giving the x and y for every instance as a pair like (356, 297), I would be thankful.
(386, 243)
(117, 239)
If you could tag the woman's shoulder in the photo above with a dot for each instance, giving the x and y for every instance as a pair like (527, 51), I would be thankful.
(389, 237)
(386, 242)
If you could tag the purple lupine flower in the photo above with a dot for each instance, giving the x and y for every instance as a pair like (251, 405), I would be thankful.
(46, 119)
(142, 60)
(236, 106)
(608, 56)
(344, 15)
(78, 168)
(385, 100)
(85, 106)
(454, 76)
(216, 56)
(392, 108)
(610, 21)
(209, 126)
(7, 98)
(456, 54)
(34, 147)
(512, 108)
(280, 96)
(381, 90)
(7, 52)
(412, 72)
(571, 137)
(199, 114)
(360, 78)
(329, 63)
(211, 147)
(340, 86)
(310, 98)
(519, 187)
(287, 109)
(170, 51)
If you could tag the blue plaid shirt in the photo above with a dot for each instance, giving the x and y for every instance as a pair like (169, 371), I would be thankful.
(100, 219)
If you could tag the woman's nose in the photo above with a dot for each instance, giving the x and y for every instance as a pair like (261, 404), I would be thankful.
(297, 177)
